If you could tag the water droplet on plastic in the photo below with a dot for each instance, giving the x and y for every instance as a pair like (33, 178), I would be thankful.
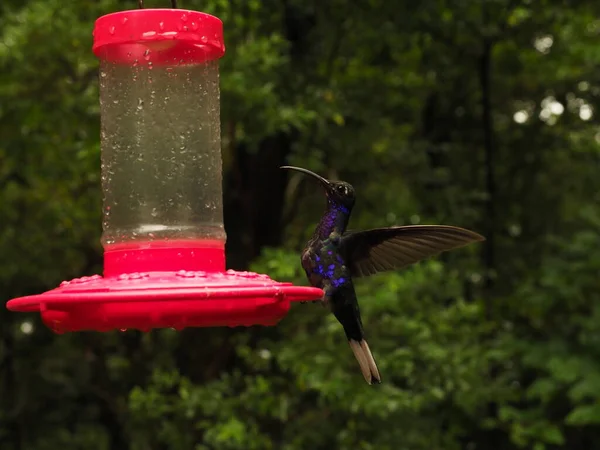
(203, 39)
(140, 105)
(123, 330)
(116, 102)
(149, 64)
(184, 18)
(124, 21)
(185, 28)
(194, 25)
(154, 212)
(147, 54)
(103, 74)
(161, 25)
(111, 30)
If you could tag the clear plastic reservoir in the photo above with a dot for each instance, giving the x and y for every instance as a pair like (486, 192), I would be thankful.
(160, 133)
(161, 154)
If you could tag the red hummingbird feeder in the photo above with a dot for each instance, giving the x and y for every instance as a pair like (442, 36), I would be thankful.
(163, 234)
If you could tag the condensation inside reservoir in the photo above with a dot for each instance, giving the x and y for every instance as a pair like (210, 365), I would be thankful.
(161, 155)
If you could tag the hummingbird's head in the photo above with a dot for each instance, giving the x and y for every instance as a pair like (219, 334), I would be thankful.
(339, 192)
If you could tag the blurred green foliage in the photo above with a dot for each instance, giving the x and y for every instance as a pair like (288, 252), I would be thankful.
(474, 113)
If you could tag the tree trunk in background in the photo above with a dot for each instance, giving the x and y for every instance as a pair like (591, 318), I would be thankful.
(253, 200)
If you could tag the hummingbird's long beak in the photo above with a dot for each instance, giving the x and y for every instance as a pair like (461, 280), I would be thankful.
(323, 181)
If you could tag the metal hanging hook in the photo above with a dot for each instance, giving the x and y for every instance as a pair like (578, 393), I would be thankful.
(173, 4)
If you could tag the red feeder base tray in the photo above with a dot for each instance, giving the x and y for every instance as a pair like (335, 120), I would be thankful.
(177, 300)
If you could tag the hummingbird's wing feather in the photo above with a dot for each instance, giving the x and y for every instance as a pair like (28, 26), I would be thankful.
(382, 249)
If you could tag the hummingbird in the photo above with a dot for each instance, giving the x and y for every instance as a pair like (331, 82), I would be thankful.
(333, 257)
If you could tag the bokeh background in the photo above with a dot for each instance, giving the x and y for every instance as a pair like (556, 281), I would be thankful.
(481, 114)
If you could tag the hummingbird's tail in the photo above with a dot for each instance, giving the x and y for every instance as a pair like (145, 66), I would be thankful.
(365, 359)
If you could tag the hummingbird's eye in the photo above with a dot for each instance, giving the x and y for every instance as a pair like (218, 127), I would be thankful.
(342, 189)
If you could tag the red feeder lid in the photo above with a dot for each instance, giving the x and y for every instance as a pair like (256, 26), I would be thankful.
(165, 298)
(158, 36)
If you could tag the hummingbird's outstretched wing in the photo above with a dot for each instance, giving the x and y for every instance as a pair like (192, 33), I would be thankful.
(382, 249)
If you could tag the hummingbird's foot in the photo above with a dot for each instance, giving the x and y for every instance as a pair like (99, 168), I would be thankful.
(335, 237)
(319, 300)
(327, 293)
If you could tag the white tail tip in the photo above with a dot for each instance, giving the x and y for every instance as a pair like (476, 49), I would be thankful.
(365, 359)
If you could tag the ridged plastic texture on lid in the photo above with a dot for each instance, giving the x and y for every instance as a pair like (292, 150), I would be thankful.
(160, 36)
